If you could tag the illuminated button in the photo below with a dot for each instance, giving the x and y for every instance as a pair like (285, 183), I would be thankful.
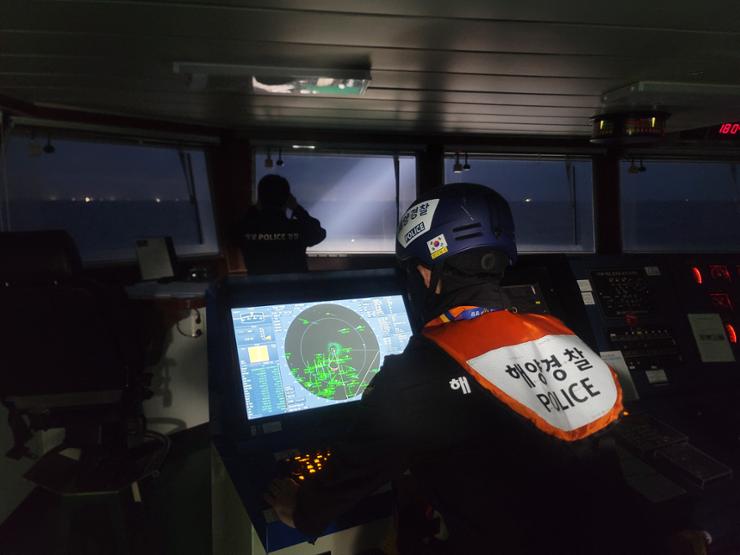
(731, 334)
(720, 271)
(698, 278)
(721, 300)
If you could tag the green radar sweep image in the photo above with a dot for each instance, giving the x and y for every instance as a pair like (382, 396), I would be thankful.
(332, 351)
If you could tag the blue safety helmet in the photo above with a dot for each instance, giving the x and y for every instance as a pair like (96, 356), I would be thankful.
(454, 219)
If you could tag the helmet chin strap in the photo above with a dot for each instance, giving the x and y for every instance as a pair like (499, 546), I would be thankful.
(434, 280)
(422, 297)
(426, 304)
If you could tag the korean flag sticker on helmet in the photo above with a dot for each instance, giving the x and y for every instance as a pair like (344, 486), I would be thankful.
(437, 246)
(416, 221)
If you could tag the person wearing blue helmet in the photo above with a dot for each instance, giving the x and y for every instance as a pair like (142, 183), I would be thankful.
(464, 231)
(494, 414)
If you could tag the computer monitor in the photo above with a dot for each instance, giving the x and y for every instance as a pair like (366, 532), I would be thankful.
(307, 355)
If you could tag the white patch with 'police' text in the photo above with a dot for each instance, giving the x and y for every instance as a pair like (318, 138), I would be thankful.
(416, 221)
(558, 377)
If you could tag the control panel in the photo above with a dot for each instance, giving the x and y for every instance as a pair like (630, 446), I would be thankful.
(623, 292)
(709, 293)
(672, 318)
(668, 325)
(302, 466)
(647, 346)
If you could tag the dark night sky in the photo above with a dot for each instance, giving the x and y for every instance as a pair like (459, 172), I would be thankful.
(98, 170)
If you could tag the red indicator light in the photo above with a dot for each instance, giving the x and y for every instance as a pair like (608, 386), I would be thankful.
(697, 275)
(721, 300)
(731, 335)
(729, 129)
(720, 271)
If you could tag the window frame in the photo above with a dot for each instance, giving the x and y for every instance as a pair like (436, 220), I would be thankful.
(697, 156)
(114, 136)
(406, 151)
(541, 155)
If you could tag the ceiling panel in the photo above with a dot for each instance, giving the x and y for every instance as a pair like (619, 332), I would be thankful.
(449, 97)
(259, 102)
(472, 66)
(135, 19)
(716, 15)
(245, 102)
(381, 81)
(222, 115)
(233, 107)
(158, 53)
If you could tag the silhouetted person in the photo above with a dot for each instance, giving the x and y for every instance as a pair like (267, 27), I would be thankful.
(272, 242)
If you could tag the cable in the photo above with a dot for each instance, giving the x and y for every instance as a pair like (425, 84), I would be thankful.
(157, 461)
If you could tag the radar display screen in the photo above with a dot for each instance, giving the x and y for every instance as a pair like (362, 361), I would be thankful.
(301, 356)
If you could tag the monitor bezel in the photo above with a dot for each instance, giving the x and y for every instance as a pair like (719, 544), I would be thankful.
(288, 289)
(234, 346)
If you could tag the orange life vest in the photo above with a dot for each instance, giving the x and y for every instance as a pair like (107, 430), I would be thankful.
(536, 366)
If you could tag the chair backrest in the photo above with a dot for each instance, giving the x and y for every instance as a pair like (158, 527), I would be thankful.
(38, 257)
(59, 332)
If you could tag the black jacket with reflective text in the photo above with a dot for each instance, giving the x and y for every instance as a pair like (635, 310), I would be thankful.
(272, 243)
(501, 485)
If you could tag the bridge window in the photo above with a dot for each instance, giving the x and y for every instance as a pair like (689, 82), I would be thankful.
(353, 195)
(107, 195)
(680, 205)
(551, 198)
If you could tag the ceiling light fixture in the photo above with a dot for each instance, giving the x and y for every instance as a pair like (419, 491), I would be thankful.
(268, 160)
(280, 162)
(34, 148)
(49, 148)
(457, 168)
(466, 166)
(285, 80)
(291, 84)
